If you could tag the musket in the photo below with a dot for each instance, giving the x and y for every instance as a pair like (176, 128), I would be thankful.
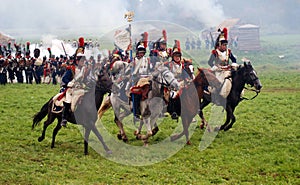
(62, 44)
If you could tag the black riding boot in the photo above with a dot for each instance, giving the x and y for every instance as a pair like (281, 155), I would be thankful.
(136, 105)
(65, 112)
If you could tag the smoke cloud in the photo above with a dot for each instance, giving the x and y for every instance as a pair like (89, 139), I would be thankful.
(31, 18)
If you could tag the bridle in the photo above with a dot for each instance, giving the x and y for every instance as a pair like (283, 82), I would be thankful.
(253, 79)
(163, 81)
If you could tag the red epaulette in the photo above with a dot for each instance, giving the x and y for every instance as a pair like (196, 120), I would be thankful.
(214, 52)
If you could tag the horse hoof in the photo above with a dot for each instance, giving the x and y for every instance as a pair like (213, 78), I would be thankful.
(217, 129)
(109, 152)
(202, 126)
(155, 130)
(227, 128)
(136, 133)
(40, 139)
(125, 139)
(119, 136)
(188, 143)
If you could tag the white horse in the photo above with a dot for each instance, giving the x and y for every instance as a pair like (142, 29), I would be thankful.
(151, 107)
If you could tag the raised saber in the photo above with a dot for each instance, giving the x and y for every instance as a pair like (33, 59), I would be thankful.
(62, 44)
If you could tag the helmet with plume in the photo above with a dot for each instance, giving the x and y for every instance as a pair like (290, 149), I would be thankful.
(176, 49)
(18, 51)
(143, 43)
(27, 53)
(81, 47)
(222, 38)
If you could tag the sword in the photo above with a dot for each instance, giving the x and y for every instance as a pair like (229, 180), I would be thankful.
(62, 44)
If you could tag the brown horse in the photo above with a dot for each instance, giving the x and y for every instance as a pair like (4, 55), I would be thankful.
(191, 97)
(85, 113)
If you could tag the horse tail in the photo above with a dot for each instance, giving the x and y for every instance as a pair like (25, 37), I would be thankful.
(38, 117)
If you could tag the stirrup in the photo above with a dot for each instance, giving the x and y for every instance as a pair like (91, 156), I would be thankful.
(63, 123)
(174, 115)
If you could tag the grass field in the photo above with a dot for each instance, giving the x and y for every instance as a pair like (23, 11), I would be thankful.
(261, 148)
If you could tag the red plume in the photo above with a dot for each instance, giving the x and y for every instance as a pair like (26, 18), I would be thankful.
(145, 39)
(28, 44)
(81, 42)
(177, 43)
(164, 35)
(225, 31)
(50, 53)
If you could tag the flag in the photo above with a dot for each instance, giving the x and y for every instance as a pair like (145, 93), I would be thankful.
(122, 39)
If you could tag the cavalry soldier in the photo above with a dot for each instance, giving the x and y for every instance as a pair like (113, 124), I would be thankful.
(183, 71)
(73, 79)
(160, 52)
(141, 70)
(219, 62)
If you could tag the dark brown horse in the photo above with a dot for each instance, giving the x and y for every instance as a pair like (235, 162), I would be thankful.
(85, 113)
(191, 97)
(245, 74)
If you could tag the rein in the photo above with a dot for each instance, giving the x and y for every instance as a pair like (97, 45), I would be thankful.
(257, 92)
(167, 84)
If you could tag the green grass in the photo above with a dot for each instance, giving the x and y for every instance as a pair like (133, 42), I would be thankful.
(261, 148)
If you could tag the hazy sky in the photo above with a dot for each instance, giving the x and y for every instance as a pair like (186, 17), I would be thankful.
(36, 17)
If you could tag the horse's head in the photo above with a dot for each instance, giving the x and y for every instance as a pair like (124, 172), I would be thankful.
(165, 77)
(250, 76)
(104, 81)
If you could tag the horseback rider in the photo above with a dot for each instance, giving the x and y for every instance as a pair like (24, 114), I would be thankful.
(219, 62)
(160, 52)
(184, 71)
(74, 74)
(141, 70)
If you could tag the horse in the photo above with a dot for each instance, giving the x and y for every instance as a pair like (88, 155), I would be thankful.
(245, 74)
(85, 111)
(190, 97)
(152, 107)
(161, 77)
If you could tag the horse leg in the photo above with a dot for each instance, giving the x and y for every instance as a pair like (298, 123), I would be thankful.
(138, 131)
(122, 134)
(86, 140)
(96, 132)
(228, 117)
(106, 104)
(48, 122)
(55, 131)
(203, 104)
(232, 121)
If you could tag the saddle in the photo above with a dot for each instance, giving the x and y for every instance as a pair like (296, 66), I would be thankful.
(58, 100)
(142, 87)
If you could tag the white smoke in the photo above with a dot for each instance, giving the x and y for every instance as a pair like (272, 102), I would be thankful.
(24, 19)
(60, 17)
(207, 12)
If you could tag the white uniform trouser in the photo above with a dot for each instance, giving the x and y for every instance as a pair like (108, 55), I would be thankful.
(69, 95)
(222, 76)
